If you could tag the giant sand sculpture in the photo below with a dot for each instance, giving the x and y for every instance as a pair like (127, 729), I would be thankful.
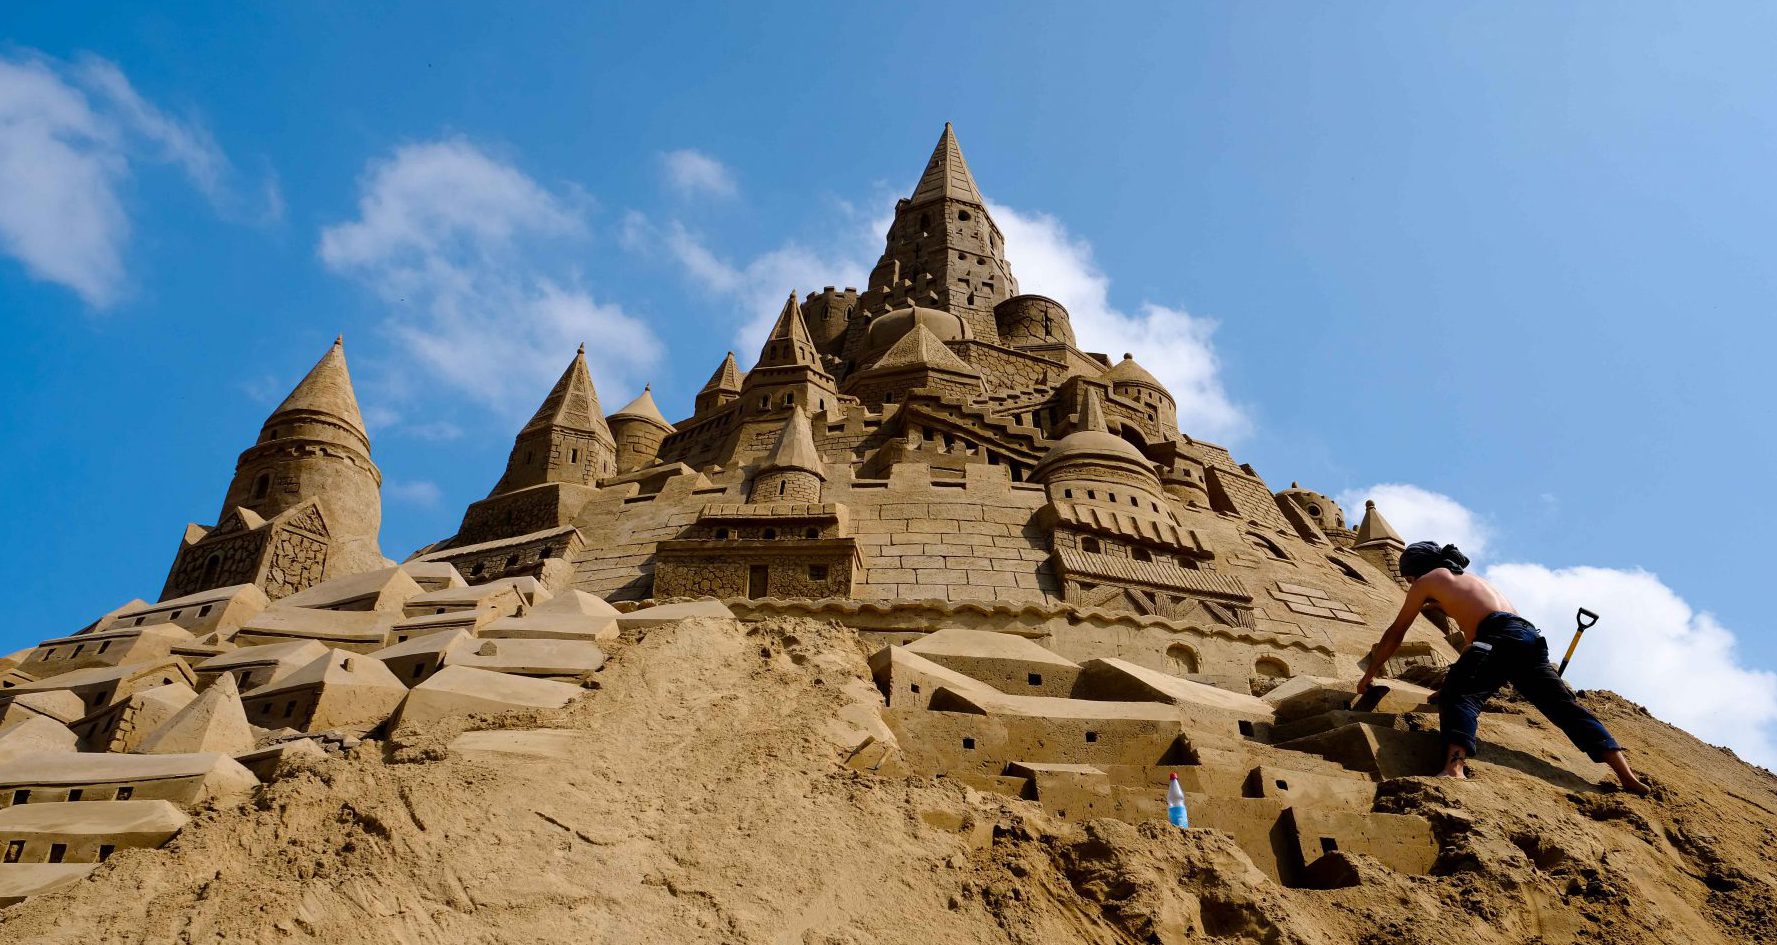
(970, 565)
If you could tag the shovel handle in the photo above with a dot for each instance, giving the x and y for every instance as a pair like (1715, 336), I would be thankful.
(1586, 619)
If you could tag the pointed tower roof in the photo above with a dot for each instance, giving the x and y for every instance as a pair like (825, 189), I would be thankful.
(947, 175)
(326, 391)
(1375, 528)
(572, 404)
(643, 408)
(795, 447)
(789, 342)
(1127, 371)
(726, 379)
(921, 348)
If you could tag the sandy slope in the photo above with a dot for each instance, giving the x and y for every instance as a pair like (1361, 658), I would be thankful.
(701, 802)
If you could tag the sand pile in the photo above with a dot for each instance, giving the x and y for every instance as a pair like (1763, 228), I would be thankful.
(697, 796)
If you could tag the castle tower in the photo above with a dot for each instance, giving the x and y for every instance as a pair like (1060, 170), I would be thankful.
(1092, 467)
(1132, 382)
(943, 248)
(792, 471)
(566, 441)
(1377, 541)
(723, 388)
(1326, 513)
(638, 430)
(305, 502)
(789, 372)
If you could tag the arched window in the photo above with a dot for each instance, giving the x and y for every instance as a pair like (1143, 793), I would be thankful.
(1182, 658)
(1141, 554)
(782, 484)
(1270, 667)
(262, 485)
(212, 570)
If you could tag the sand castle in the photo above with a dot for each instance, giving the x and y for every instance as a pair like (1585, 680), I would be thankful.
(1068, 598)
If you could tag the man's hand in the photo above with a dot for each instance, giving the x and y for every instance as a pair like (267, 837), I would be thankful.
(1363, 685)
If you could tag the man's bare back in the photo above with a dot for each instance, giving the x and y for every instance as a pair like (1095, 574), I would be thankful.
(1466, 598)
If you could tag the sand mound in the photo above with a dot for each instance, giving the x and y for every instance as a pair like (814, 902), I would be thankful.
(697, 796)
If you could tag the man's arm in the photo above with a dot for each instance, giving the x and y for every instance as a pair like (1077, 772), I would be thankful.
(1397, 631)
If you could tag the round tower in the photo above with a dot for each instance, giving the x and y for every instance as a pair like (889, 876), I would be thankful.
(1324, 511)
(639, 430)
(1132, 382)
(313, 446)
(792, 471)
(1033, 320)
(1094, 467)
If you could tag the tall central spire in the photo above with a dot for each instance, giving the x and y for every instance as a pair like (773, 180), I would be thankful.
(943, 250)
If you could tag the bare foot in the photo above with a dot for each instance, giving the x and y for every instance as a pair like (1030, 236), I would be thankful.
(1457, 775)
(1634, 786)
(1620, 767)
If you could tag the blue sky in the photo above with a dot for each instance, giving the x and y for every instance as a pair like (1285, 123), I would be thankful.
(1508, 266)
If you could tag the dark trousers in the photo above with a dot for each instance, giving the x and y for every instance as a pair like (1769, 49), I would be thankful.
(1508, 648)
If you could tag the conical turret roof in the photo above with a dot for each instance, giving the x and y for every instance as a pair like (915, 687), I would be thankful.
(726, 379)
(789, 342)
(947, 175)
(643, 408)
(1375, 528)
(572, 404)
(325, 391)
(795, 446)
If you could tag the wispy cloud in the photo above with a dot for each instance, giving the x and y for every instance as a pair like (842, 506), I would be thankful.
(414, 492)
(70, 135)
(1174, 345)
(1645, 628)
(692, 173)
(1422, 515)
(463, 248)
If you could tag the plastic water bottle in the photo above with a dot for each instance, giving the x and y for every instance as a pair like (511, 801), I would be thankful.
(1175, 804)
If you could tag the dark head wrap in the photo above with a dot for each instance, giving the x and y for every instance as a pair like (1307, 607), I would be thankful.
(1422, 557)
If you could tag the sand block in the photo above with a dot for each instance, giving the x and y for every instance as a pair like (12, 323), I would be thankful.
(563, 660)
(1120, 680)
(101, 686)
(182, 779)
(1301, 696)
(385, 590)
(1007, 662)
(412, 661)
(672, 613)
(498, 597)
(217, 612)
(58, 705)
(433, 575)
(1069, 791)
(359, 630)
(1312, 790)
(36, 734)
(122, 725)
(494, 744)
(214, 721)
(1403, 842)
(255, 666)
(342, 690)
(273, 761)
(21, 880)
(537, 625)
(575, 602)
(911, 680)
(118, 646)
(88, 831)
(463, 690)
(1384, 752)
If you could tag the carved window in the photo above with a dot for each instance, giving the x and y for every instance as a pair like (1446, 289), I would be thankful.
(1271, 667)
(783, 485)
(811, 533)
(817, 572)
(262, 485)
(770, 533)
(1141, 554)
(573, 457)
(1090, 546)
(1182, 658)
(721, 534)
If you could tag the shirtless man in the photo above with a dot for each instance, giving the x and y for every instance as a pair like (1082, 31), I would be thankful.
(1498, 647)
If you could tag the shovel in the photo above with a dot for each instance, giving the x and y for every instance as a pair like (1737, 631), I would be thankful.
(1585, 619)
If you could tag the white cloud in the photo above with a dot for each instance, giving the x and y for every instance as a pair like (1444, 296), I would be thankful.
(457, 243)
(1646, 633)
(1174, 345)
(757, 287)
(70, 135)
(693, 173)
(1653, 647)
(1421, 515)
(414, 492)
